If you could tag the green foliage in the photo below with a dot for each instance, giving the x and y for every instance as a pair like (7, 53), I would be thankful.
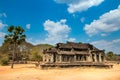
(31, 52)
(36, 57)
(36, 51)
(7, 48)
(4, 61)
(39, 48)
(112, 56)
(15, 37)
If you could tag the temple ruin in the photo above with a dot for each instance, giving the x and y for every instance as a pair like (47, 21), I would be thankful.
(71, 53)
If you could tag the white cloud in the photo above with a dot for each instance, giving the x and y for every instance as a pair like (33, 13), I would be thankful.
(57, 31)
(28, 26)
(2, 25)
(2, 34)
(108, 22)
(34, 41)
(71, 39)
(113, 45)
(103, 34)
(3, 15)
(79, 5)
(31, 40)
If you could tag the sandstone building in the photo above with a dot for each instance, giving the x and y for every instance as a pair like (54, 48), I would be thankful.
(71, 52)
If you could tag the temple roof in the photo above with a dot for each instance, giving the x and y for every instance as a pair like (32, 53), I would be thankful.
(83, 47)
(74, 45)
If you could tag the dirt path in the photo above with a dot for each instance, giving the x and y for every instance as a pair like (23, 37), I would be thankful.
(29, 72)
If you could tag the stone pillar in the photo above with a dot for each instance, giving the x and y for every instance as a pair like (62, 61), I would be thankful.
(43, 59)
(60, 58)
(89, 58)
(95, 57)
(51, 58)
(74, 58)
(47, 59)
(100, 57)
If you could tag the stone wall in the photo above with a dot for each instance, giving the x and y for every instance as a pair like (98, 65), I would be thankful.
(61, 58)
(48, 58)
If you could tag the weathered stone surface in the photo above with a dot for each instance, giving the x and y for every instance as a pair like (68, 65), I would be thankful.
(71, 52)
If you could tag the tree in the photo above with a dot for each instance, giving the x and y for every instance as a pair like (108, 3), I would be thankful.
(110, 56)
(36, 57)
(15, 37)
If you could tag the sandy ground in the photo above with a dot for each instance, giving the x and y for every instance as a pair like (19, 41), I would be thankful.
(30, 72)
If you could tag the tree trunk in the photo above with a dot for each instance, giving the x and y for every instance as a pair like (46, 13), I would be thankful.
(13, 55)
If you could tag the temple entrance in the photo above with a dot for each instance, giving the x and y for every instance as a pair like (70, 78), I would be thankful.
(54, 57)
(102, 58)
(97, 56)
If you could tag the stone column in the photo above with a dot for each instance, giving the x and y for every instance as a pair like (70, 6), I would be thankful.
(74, 58)
(95, 57)
(100, 57)
(60, 58)
(89, 58)
(51, 58)
(43, 58)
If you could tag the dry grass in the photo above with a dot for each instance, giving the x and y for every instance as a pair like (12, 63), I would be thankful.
(30, 72)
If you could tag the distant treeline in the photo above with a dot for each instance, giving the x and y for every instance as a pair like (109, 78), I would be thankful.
(25, 52)
(111, 56)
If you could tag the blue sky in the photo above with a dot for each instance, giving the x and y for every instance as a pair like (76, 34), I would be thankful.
(52, 21)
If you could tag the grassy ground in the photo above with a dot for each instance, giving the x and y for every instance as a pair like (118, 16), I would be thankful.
(30, 72)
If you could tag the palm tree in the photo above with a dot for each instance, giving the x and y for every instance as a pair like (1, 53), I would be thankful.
(15, 37)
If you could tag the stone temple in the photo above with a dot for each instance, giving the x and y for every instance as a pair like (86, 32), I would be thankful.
(73, 53)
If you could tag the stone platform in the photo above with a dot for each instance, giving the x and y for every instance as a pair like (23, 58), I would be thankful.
(81, 64)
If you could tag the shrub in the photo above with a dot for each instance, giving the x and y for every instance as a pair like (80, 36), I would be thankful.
(4, 61)
(36, 57)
